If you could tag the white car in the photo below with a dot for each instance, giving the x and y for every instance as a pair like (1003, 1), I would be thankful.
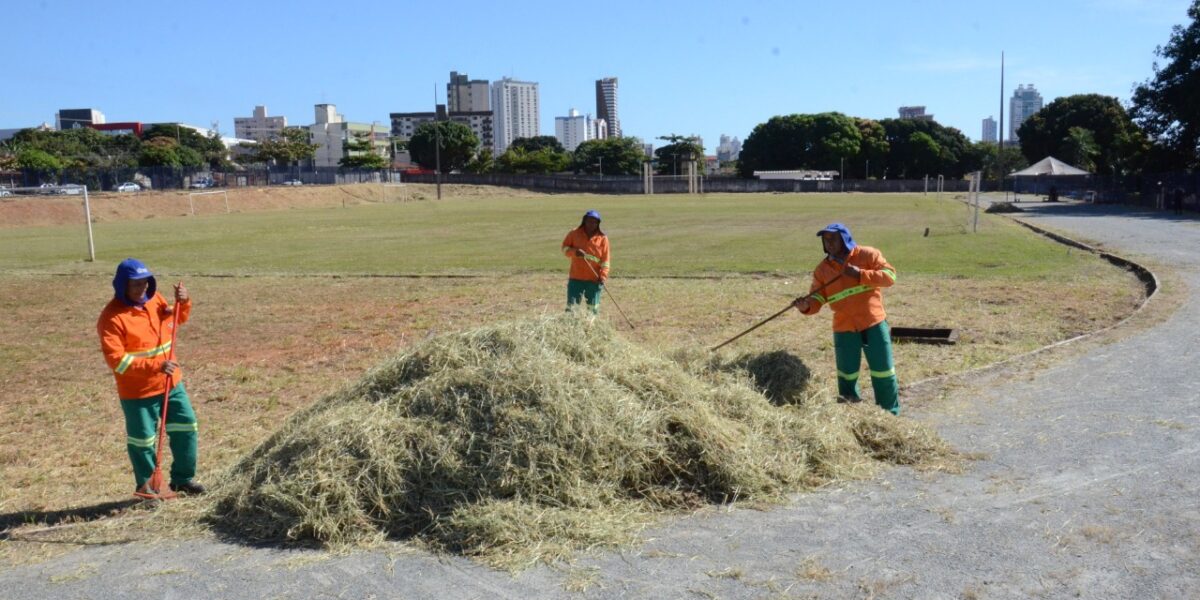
(293, 182)
(4, 192)
(129, 186)
(201, 184)
(71, 189)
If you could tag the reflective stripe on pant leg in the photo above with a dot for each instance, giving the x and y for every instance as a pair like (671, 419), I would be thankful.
(182, 435)
(141, 435)
(847, 351)
(883, 370)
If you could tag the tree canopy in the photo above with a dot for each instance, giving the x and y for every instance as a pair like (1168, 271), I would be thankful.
(541, 161)
(1113, 144)
(533, 144)
(291, 147)
(620, 156)
(360, 154)
(1166, 105)
(458, 145)
(677, 152)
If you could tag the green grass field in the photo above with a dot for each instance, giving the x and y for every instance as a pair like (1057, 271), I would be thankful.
(660, 236)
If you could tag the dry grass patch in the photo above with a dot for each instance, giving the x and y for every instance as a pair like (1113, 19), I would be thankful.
(532, 440)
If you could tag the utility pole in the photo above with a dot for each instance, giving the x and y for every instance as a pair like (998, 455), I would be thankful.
(437, 145)
(1000, 148)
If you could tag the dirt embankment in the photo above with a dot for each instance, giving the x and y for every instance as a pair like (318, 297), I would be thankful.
(33, 211)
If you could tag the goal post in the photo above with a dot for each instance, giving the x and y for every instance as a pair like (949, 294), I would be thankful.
(399, 189)
(192, 199)
(29, 193)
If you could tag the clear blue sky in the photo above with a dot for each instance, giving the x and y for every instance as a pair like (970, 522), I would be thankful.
(696, 67)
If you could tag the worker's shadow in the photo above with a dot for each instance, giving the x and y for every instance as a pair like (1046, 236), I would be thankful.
(11, 522)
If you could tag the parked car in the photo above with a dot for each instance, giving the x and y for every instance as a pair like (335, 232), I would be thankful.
(4, 192)
(200, 184)
(293, 182)
(71, 189)
(47, 188)
(129, 186)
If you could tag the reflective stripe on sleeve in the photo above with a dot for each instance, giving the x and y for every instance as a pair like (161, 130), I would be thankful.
(846, 293)
(124, 364)
(890, 273)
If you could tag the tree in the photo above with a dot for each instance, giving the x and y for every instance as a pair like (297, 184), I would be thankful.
(912, 156)
(291, 147)
(545, 160)
(1166, 106)
(873, 148)
(620, 156)
(38, 160)
(482, 163)
(534, 144)
(160, 152)
(360, 154)
(195, 148)
(802, 141)
(1079, 148)
(679, 149)
(1121, 145)
(458, 145)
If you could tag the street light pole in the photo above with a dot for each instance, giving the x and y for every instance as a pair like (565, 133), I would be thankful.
(601, 164)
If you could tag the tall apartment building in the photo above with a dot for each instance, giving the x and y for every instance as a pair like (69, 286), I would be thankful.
(260, 127)
(989, 131)
(1025, 102)
(729, 149)
(516, 110)
(573, 129)
(331, 131)
(606, 105)
(74, 118)
(480, 122)
(915, 112)
(464, 95)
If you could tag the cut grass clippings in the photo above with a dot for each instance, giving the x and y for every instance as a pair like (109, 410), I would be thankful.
(530, 440)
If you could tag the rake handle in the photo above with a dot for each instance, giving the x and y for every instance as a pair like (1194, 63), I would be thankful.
(776, 315)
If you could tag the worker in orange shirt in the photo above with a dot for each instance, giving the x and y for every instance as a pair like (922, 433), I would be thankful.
(586, 247)
(849, 281)
(135, 338)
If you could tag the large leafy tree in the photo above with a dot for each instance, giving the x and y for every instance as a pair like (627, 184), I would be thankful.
(81, 147)
(801, 141)
(458, 145)
(621, 156)
(533, 144)
(544, 160)
(291, 147)
(918, 147)
(1079, 148)
(195, 148)
(1118, 143)
(678, 151)
(361, 154)
(1166, 105)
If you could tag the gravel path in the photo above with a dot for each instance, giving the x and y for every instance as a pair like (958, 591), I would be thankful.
(1090, 488)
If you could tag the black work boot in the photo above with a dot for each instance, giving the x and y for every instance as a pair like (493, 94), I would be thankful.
(189, 487)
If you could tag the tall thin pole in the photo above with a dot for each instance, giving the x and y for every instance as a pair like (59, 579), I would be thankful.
(437, 145)
(1000, 147)
(87, 213)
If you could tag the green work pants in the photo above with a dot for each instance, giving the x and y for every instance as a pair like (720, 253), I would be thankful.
(141, 429)
(578, 289)
(876, 343)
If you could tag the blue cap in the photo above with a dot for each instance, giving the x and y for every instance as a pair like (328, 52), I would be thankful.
(841, 230)
(132, 269)
(593, 214)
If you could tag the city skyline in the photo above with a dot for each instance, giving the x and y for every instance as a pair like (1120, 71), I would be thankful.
(750, 63)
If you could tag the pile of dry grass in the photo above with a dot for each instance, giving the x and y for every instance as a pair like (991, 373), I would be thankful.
(529, 440)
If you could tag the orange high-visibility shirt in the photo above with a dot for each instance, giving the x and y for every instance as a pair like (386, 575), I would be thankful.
(595, 260)
(856, 305)
(136, 341)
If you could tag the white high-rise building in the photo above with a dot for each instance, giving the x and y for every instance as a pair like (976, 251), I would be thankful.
(1025, 102)
(573, 129)
(729, 148)
(516, 109)
(606, 105)
(989, 131)
(260, 127)
(599, 129)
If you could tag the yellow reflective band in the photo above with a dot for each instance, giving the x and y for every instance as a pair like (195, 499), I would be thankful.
(846, 293)
(141, 442)
(890, 273)
(124, 364)
(819, 298)
(604, 264)
(594, 259)
(176, 427)
(848, 376)
(566, 248)
(882, 374)
(163, 349)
